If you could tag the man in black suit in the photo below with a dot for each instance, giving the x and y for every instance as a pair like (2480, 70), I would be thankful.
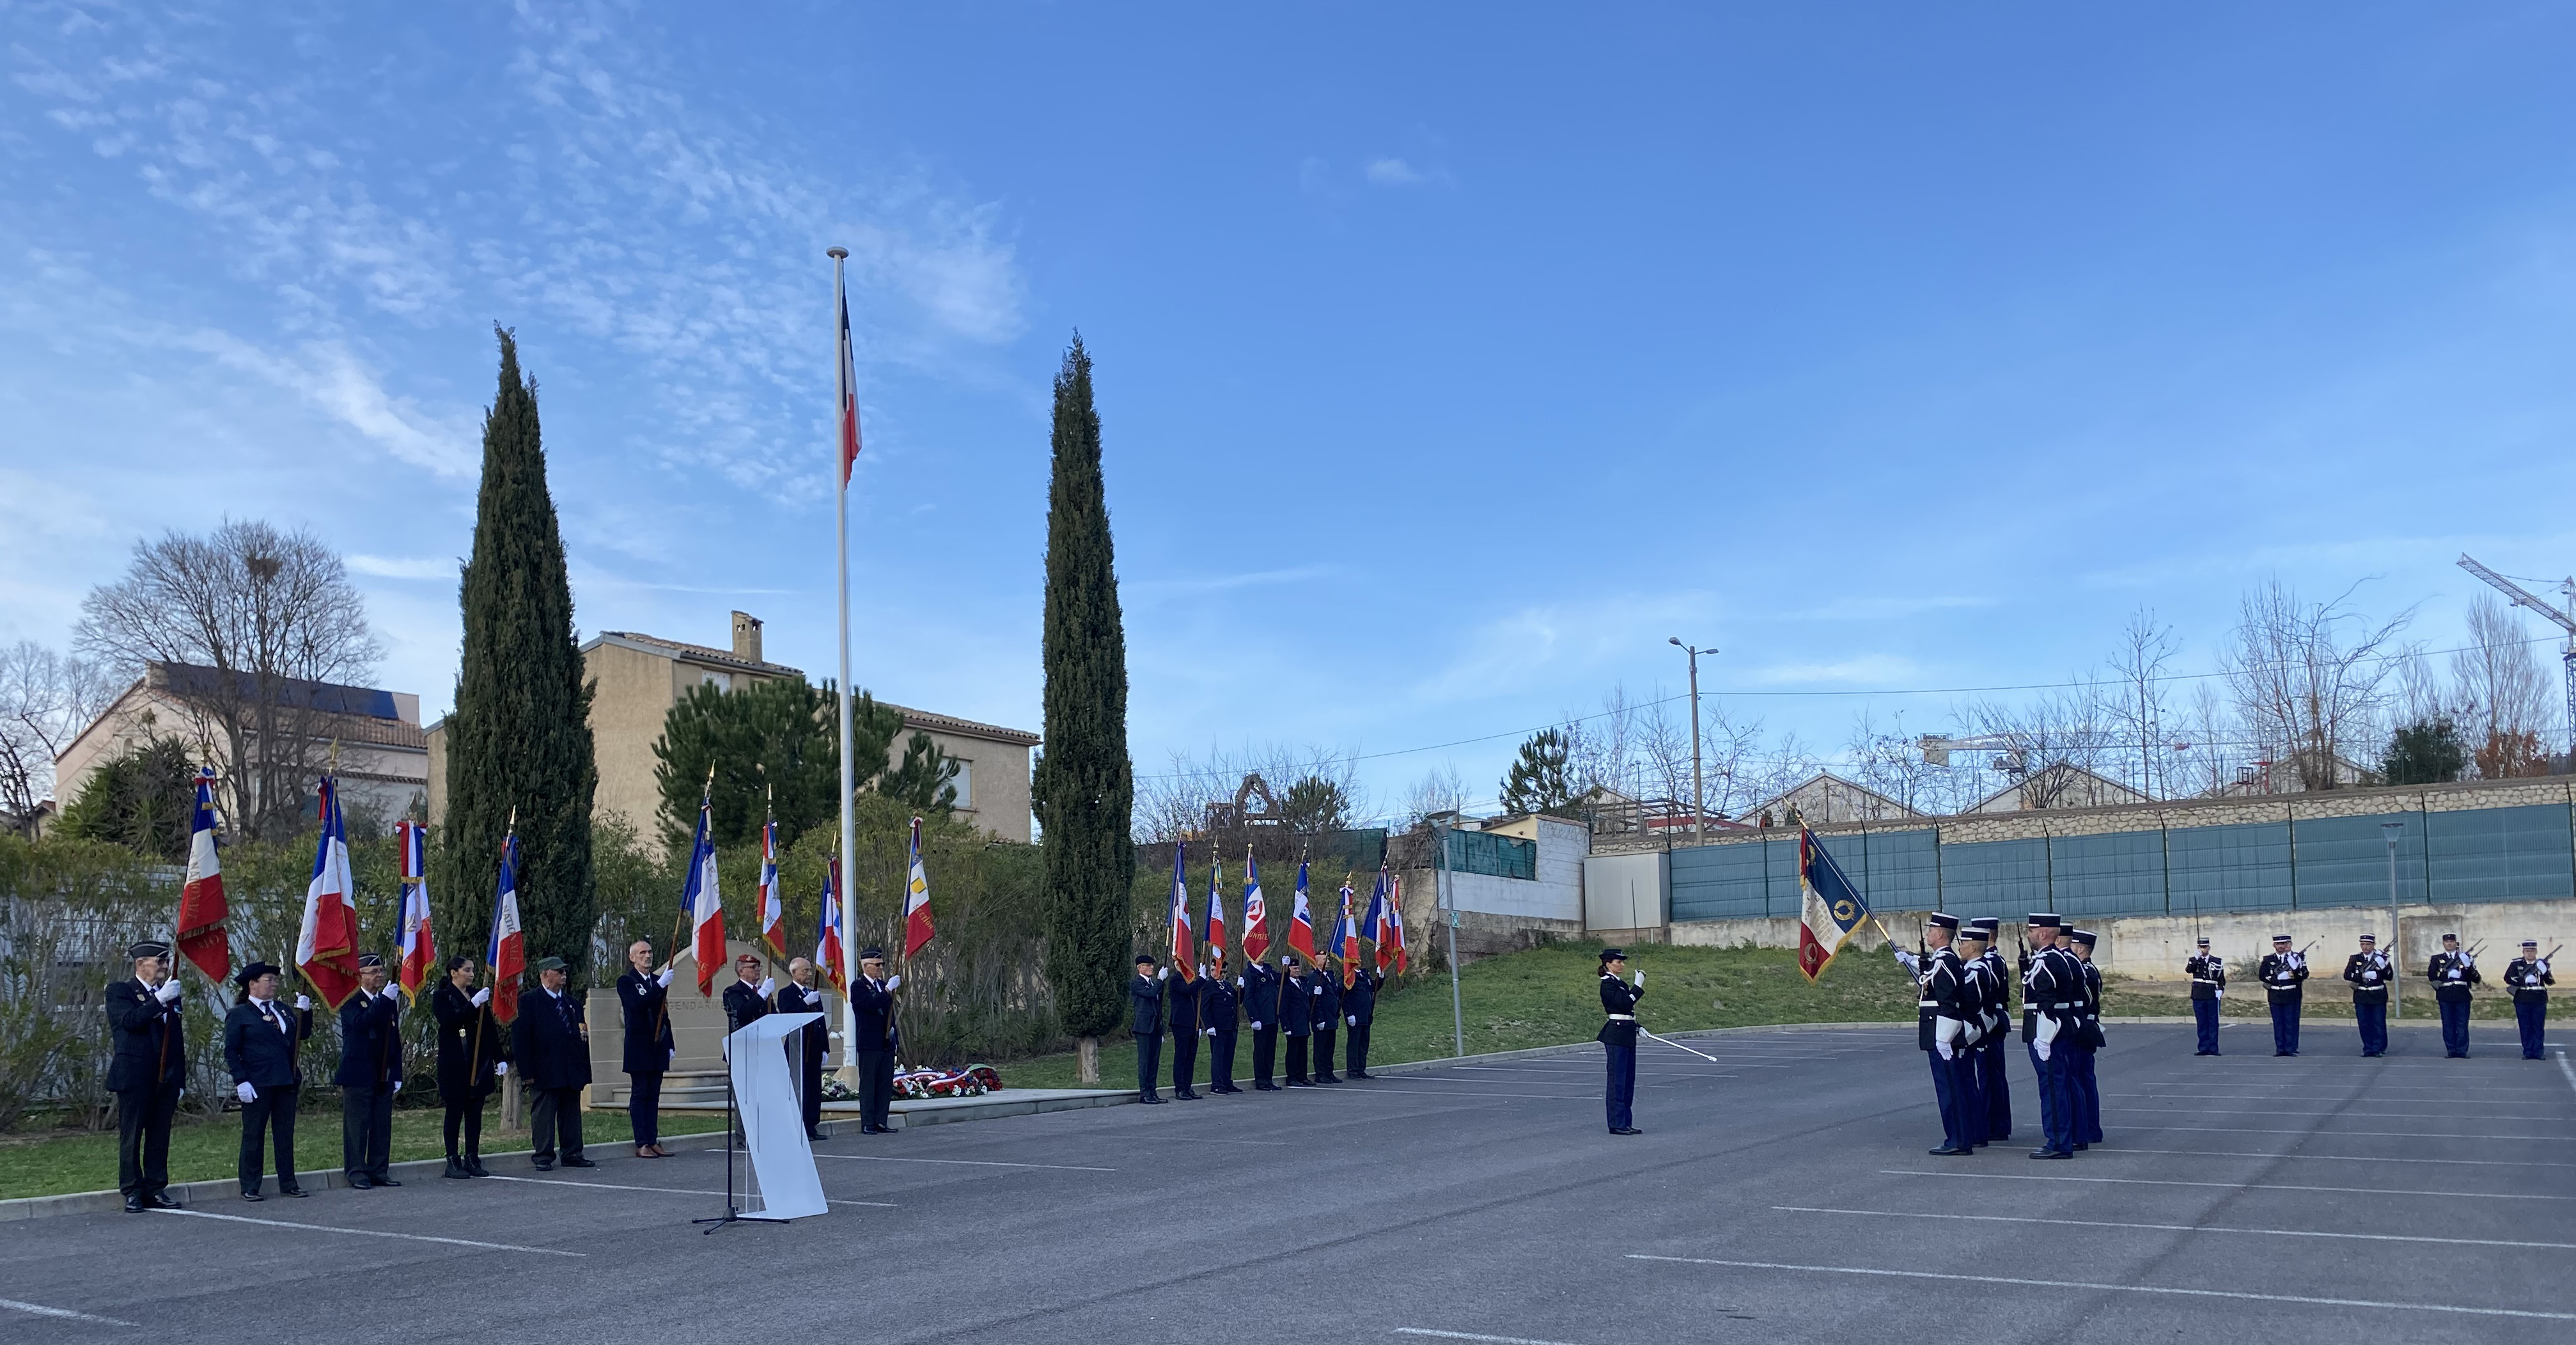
(1359, 1011)
(644, 1006)
(813, 1041)
(1324, 1006)
(1145, 1022)
(150, 1069)
(369, 1076)
(550, 1041)
(1296, 1018)
(260, 1040)
(747, 1000)
(1182, 999)
(1260, 986)
(875, 1041)
(1221, 1018)
(472, 1056)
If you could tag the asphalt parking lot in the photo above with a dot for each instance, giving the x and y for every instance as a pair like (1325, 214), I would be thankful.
(1781, 1193)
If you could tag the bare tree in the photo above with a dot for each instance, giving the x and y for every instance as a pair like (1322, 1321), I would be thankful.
(2309, 678)
(1602, 748)
(2138, 705)
(2055, 740)
(45, 701)
(1892, 763)
(1174, 803)
(245, 629)
(1440, 790)
(2505, 700)
(2208, 730)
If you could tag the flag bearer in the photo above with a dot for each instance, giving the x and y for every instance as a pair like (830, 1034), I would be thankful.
(1145, 1023)
(1260, 987)
(1296, 1018)
(1221, 1019)
(644, 1006)
(1994, 1087)
(1186, 999)
(1359, 1011)
(876, 1037)
(2283, 974)
(2370, 972)
(148, 1073)
(1324, 1002)
(2208, 973)
(2051, 1004)
(369, 1076)
(472, 1056)
(2087, 1092)
(1618, 1037)
(2529, 977)
(2452, 972)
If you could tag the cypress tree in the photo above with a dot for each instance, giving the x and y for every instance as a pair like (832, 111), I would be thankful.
(1085, 785)
(519, 738)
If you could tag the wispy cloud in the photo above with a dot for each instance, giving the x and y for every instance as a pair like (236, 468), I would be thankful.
(1393, 173)
(1165, 589)
(403, 567)
(1866, 670)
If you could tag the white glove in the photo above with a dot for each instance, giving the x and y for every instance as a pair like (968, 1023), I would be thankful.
(303, 1003)
(894, 983)
(2040, 1049)
(168, 991)
(664, 980)
(1238, 983)
(768, 986)
(1352, 1019)
(482, 997)
(2370, 976)
(1315, 990)
(1943, 1047)
(1638, 979)
(675, 1055)
(1256, 1025)
(500, 1068)
(1207, 1032)
(1162, 973)
(245, 1092)
(397, 1088)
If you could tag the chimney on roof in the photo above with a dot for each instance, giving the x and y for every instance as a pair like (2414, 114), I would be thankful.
(746, 637)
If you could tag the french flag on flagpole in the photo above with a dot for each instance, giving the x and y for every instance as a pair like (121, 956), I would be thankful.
(1216, 908)
(506, 952)
(917, 928)
(1829, 907)
(1375, 921)
(773, 908)
(827, 939)
(1344, 935)
(1301, 918)
(849, 392)
(1395, 919)
(1256, 915)
(1184, 954)
(419, 950)
(326, 946)
(703, 899)
(201, 898)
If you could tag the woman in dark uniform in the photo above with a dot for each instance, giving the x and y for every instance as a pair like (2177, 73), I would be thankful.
(1619, 1036)
(472, 1056)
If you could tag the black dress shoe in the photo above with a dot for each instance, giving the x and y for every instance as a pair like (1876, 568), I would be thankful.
(360, 1182)
(1945, 1151)
(1361, 1074)
(1626, 1130)
(294, 1192)
(1265, 1088)
(134, 1204)
(474, 1165)
(1186, 1095)
(253, 1196)
(384, 1181)
(1152, 1101)
(1301, 1083)
(542, 1165)
(579, 1163)
(2049, 1153)
(160, 1200)
(2081, 1146)
(457, 1171)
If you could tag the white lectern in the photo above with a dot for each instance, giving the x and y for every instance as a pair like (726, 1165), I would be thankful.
(762, 1080)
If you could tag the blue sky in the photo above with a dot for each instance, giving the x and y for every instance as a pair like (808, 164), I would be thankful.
(1451, 357)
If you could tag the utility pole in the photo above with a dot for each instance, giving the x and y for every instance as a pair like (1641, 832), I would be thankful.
(2396, 948)
(1448, 905)
(1699, 794)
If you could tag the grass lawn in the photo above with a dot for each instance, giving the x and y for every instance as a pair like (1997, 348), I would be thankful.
(45, 1163)
(1549, 996)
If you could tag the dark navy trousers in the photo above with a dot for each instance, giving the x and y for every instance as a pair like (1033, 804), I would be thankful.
(2056, 1100)
(1623, 1085)
(1994, 1088)
(2455, 1027)
(2285, 1026)
(2529, 1015)
(1149, 1057)
(2373, 1018)
(1966, 1074)
(1954, 1086)
(2204, 1015)
(1185, 1062)
(2086, 1095)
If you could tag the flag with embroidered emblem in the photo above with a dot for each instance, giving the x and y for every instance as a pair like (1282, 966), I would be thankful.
(326, 945)
(1301, 919)
(1216, 909)
(1256, 913)
(202, 910)
(1829, 907)
(419, 950)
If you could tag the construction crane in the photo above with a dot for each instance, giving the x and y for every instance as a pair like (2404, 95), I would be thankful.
(2523, 597)
(2012, 755)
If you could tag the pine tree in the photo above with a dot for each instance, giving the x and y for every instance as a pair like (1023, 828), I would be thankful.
(1540, 780)
(519, 739)
(1085, 785)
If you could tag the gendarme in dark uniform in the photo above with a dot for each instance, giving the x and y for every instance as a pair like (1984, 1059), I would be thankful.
(1325, 1005)
(2529, 978)
(1945, 1028)
(149, 1071)
(1359, 1014)
(876, 1037)
(2052, 1001)
(369, 1076)
(1221, 1018)
(1182, 1000)
(2369, 971)
(1618, 1038)
(2208, 973)
(1994, 982)
(2083, 1089)
(1261, 1006)
(2452, 972)
(2283, 974)
(1296, 1019)
(1145, 1023)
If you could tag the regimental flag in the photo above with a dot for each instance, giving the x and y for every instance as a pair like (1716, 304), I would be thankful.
(1395, 921)
(1184, 953)
(1344, 935)
(773, 904)
(201, 898)
(1829, 907)
(703, 899)
(506, 952)
(419, 950)
(1375, 921)
(827, 938)
(849, 426)
(917, 928)
(1301, 920)
(326, 945)
(1216, 908)
(1256, 913)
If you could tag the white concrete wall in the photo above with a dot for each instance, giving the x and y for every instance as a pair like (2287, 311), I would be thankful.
(1626, 891)
(1557, 892)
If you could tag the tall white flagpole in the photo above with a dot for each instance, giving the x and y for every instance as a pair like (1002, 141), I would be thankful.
(842, 374)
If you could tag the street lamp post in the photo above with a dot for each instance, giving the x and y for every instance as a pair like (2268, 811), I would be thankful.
(2396, 948)
(1445, 890)
(1699, 794)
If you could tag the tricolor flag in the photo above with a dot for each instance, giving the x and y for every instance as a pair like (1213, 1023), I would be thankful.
(1256, 913)
(1184, 955)
(419, 950)
(703, 900)
(1395, 920)
(916, 899)
(1216, 909)
(326, 946)
(1375, 921)
(1301, 920)
(849, 394)
(506, 952)
(1344, 935)
(773, 905)
(1829, 907)
(201, 897)
(827, 939)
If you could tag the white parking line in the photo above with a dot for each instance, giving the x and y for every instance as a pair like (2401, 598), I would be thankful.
(2305, 1096)
(1470, 1335)
(370, 1233)
(963, 1162)
(65, 1314)
(1953, 1278)
(2225, 1186)
(2383, 1134)
(2182, 1228)
(2343, 1158)
(2331, 1111)
(664, 1190)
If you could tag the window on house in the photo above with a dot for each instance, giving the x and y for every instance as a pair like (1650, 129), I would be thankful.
(965, 782)
(720, 681)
